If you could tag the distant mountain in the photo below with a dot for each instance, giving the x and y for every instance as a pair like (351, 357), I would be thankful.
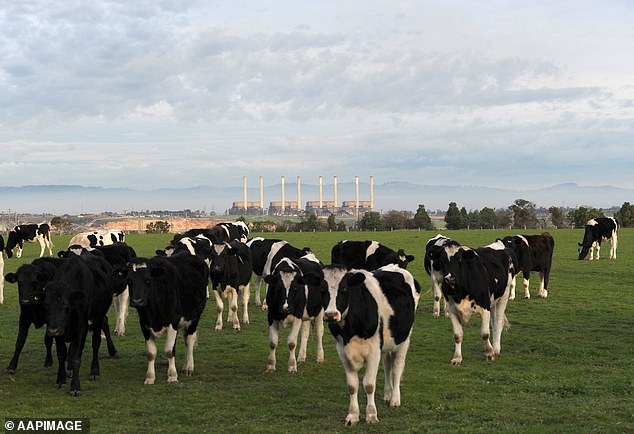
(75, 199)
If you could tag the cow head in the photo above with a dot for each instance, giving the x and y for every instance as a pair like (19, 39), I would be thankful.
(31, 280)
(63, 308)
(281, 283)
(519, 245)
(139, 276)
(12, 242)
(465, 275)
(333, 276)
(338, 307)
(402, 259)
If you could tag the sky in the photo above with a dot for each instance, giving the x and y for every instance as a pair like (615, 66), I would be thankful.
(149, 94)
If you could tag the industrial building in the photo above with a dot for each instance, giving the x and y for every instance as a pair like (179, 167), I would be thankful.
(321, 207)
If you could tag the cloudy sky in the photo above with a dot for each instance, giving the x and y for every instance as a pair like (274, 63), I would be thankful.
(150, 94)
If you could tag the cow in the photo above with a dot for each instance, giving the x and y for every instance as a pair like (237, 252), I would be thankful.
(294, 298)
(169, 296)
(230, 274)
(597, 230)
(101, 237)
(236, 230)
(1, 270)
(76, 299)
(31, 279)
(220, 233)
(367, 255)
(371, 315)
(31, 233)
(534, 253)
(199, 246)
(438, 247)
(478, 281)
(266, 253)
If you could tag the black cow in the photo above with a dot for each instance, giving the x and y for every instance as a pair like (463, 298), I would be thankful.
(76, 299)
(534, 253)
(438, 250)
(1, 269)
(597, 230)
(478, 281)
(230, 273)
(371, 315)
(294, 297)
(31, 233)
(31, 279)
(169, 294)
(367, 255)
(266, 253)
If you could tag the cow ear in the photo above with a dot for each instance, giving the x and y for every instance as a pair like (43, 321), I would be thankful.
(11, 277)
(158, 272)
(469, 255)
(62, 254)
(356, 279)
(410, 258)
(160, 252)
(76, 298)
(580, 245)
(517, 241)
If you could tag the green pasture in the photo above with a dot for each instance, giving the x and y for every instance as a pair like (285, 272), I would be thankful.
(567, 363)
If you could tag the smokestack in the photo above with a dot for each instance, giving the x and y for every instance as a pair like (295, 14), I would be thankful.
(299, 193)
(356, 185)
(321, 192)
(283, 202)
(371, 192)
(335, 181)
(244, 181)
(261, 193)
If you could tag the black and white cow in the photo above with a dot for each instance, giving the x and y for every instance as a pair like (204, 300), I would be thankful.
(101, 237)
(235, 230)
(371, 315)
(31, 233)
(169, 294)
(1, 269)
(534, 253)
(220, 233)
(199, 246)
(478, 281)
(294, 297)
(367, 255)
(266, 253)
(76, 299)
(437, 250)
(31, 279)
(230, 273)
(597, 230)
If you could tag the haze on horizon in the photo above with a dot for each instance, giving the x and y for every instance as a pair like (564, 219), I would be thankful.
(153, 94)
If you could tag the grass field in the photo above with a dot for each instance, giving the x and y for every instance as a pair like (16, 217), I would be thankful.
(567, 363)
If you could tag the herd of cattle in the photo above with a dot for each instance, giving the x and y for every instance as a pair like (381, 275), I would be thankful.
(366, 295)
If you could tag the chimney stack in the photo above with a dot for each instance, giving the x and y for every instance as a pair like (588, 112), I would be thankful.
(283, 201)
(371, 193)
(335, 183)
(245, 192)
(299, 193)
(321, 191)
(356, 185)
(261, 194)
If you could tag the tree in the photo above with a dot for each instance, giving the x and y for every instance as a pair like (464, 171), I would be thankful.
(395, 219)
(157, 227)
(421, 219)
(580, 216)
(310, 223)
(341, 226)
(557, 216)
(60, 223)
(371, 221)
(331, 224)
(453, 218)
(473, 219)
(524, 215)
(503, 218)
(625, 216)
(487, 218)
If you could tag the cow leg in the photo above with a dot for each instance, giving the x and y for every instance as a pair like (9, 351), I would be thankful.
(615, 240)
(457, 337)
(190, 342)
(246, 294)
(42, 246)
(513, 285)
(1, 278)
(18, 253)
(498, 319)
(527, 276)
(75, 356)
(150, 375)
(233, 308)
(369, 383)
(352, 379)
(105, 327)
(170, 341)
(543, 293)
(598, 249)
(274, 335)
(319, 332)
(436, 288)
(388, 366)
(485, 332)
(292, 344)
(592, 246)
(258, 284)
(23, 332)
(48, 343)
(96, 343)
(220, 305)
(305, 330)
(398, 367)
(62, 353)
(121, 306)
(264, 305)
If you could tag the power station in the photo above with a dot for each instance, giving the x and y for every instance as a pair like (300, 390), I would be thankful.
(321, 207)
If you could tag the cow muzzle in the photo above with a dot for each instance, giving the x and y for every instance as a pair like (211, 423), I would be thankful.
(54, 332)
(137, 302)
(332, 316)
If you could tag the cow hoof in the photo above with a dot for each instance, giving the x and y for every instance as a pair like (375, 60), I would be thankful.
(172, 380)
(75, 393)
(114, 355)
(456, 362)
(218, 328)
(149, 381)
(270, 369)
(93, 377)
(188, 372)
(119, 332)
(436, 314)
(373, 418)
(395, 403)
(352, 420)
(490, 357)
(236, 328)
(320, 361)
(9, 371)
(301, 359)
(265, 307)
(59, 385)
(512, 297)
(292, 369)
(527, 297)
